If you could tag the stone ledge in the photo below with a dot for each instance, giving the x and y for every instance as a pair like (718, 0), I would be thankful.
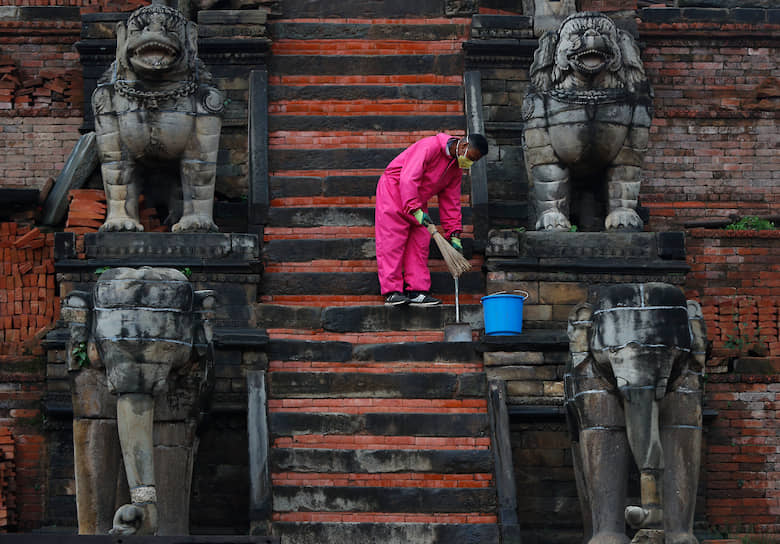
(101, 539)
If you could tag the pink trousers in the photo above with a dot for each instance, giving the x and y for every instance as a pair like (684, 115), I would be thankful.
(401, 244)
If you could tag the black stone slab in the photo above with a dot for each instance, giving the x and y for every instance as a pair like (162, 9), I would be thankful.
(331, 159)
(361, 9)
(388, 533)
(415, 385)
(288, 317)
(362, 31)
(366, 92)
(500, 438)
(419, 351)
(404, 318)
(164, 245)
(382, 499)
(379, 424)
(19, 196)
(259, 192)
(235, 337)
(289, 186)
(58, 13)
(346, 65)
(358, 283)
(107, 539)
(380, 461)
(348, 249)
(528, 340)
(358, 123)
(309, 350)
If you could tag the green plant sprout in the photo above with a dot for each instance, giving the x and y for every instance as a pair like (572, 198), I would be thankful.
(80, 355)
(751, 222)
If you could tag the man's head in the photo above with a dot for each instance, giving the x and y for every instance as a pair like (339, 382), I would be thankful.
(471, 148)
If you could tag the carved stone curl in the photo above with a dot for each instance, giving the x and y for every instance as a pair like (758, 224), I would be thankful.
(139, 359)
(587, 117)
(157, 121)
(633, 386)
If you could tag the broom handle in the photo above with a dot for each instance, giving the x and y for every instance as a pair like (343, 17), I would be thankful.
(457, 304)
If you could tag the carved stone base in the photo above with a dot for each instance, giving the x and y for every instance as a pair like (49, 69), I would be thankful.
(648, 536)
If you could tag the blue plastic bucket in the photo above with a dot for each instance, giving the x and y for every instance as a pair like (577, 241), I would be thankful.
(503, 313)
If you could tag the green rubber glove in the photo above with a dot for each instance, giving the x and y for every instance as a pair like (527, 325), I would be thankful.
(423, 218)
(455, 241)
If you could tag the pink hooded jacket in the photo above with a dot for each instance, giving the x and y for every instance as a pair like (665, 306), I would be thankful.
(423, 170)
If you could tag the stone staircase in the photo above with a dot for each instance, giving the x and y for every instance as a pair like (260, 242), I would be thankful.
(379, 428)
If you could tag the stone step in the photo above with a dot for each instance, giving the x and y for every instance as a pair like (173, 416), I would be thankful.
(381, 461)
(312, 350)
(387, 533)
(343, 249)
(331, 216)
(410, 385)
(365, 318)
(358, 283)
(365, 31)
(383, 499)
(362, 65)
(450, 93)
(329, 186)
(363, 123)
(379, 424)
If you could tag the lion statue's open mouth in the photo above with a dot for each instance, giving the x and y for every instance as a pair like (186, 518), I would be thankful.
(154, 55)
(592, 59)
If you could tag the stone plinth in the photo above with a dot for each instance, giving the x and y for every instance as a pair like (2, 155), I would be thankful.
(557, 268)
(227, 264)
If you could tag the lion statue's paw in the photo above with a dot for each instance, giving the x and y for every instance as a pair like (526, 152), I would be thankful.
(195, 223)
(624, 219)
(553, 220)
(681, 538)
(124, 224)
(609, 538)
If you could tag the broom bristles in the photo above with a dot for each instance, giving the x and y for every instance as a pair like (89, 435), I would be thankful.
(456, 263)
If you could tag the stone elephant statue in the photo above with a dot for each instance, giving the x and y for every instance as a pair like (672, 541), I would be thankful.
(633, 389)
(139, 359)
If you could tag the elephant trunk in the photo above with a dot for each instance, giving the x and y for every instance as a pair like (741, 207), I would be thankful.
(135, 423)
(644, 438)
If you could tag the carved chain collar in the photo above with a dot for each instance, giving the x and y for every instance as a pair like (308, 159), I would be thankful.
(593, 96)
(152, 99)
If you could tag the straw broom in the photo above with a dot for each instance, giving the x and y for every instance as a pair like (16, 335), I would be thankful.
(456, 262)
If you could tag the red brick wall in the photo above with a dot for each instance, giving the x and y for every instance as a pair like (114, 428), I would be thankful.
(28, 306)
(41, 99)
(735, 275)
(741, 461)
(714, 139)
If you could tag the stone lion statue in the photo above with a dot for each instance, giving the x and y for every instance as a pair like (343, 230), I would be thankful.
(157, 121)
(587, 117)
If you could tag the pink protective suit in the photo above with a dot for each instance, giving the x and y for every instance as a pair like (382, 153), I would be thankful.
(423, 170)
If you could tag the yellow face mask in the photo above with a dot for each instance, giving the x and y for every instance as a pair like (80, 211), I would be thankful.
(463, 161)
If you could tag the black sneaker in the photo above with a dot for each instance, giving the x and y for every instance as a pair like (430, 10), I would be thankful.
(396, 299)
(418, 298)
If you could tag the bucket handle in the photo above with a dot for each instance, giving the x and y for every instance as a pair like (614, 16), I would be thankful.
(522, 293)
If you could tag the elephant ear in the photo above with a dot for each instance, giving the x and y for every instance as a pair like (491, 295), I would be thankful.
(699, 342)
(579, 331)
(544, 61)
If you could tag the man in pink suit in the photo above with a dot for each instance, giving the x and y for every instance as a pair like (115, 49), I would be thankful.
(430, 167)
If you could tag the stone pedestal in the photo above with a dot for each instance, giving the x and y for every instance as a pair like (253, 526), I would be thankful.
(227, 264)
(558, 270)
